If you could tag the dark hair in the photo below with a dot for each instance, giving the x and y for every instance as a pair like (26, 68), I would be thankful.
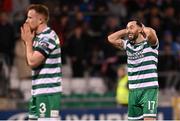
(41, 9)
(139, 23)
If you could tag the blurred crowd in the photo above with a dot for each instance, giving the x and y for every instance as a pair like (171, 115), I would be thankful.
(83, 27)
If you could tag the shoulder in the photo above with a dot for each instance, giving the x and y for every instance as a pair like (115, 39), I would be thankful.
(49, 36)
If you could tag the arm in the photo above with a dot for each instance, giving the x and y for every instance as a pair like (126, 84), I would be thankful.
(115, 38)
(151, 36)
(34, 58)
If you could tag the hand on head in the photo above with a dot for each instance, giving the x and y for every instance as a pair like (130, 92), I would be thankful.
(143, 32)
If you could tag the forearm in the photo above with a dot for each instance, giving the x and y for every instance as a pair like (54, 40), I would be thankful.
(117, 35)
(29, 54)
(115, 38)
(34, 58)
(151, 36)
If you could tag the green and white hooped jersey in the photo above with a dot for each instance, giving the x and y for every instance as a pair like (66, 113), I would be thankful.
(142, 62)
(46, 79)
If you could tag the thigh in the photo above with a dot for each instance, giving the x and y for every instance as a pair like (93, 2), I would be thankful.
(150, 103)
(48, 106)
(135, 111)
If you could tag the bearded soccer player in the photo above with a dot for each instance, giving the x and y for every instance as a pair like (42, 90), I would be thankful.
(141, 47)
(44, 57)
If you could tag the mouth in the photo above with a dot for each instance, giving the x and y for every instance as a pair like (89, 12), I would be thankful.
(130, 35)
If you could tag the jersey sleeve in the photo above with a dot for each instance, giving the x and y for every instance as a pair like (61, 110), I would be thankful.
(45, 46)
(156, 46)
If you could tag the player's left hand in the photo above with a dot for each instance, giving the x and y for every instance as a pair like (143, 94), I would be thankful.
(26, 34)
(145, 32)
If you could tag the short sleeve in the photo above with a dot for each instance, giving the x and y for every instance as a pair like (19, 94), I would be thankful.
(156, 46)
(45, 46)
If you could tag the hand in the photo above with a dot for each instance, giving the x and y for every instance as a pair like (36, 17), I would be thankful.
(145, 32)
(26, 34)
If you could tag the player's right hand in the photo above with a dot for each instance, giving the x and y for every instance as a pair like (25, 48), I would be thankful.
(26, 34)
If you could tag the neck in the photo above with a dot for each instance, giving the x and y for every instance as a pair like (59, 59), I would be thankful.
(40, 28)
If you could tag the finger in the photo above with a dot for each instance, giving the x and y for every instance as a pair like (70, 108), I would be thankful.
(26, 28)
(33, 33)
(143, 33)
(23, 28)
(22, 31)
(24, 25)
(22, 34)
(143, 25)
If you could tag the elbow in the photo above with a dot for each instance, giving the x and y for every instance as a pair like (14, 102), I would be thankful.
(109, 39)
(33, 64)
(153, 31)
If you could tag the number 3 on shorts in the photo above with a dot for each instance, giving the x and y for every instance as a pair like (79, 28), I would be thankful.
(151, 105)
(42, 108)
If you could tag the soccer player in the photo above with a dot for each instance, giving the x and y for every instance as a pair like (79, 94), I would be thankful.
(44, 57)
(141, 46)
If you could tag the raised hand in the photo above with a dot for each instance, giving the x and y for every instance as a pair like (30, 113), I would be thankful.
(146, 32)
(143, 33)
(26, 34)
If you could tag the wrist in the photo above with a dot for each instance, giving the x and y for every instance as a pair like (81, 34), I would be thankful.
(28, 42)
(123, 32)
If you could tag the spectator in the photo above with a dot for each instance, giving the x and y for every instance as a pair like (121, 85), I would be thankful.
(168, 39)
(7, 40)
(20, 6)
(61, 26)
(167, 64)
(155, 23)
(24, 71)
(118, 8)
(122, 91)
(169, 23)
(99, 18)
(77, 51)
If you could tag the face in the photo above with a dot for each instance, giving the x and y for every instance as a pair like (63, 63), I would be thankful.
(121, 72)
(33, 20)
(3, 17)
(133, 30)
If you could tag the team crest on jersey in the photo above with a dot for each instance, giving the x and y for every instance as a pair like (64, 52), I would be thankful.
(45, 39)
(136, 55)
(137, 52)
(44, 42)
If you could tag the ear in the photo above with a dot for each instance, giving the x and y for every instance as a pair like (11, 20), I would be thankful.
(40, 21)
(140, 29)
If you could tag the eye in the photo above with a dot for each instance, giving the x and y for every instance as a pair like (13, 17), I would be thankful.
(131, 27)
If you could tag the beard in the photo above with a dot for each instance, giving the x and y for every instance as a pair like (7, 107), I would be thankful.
(132, 38)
